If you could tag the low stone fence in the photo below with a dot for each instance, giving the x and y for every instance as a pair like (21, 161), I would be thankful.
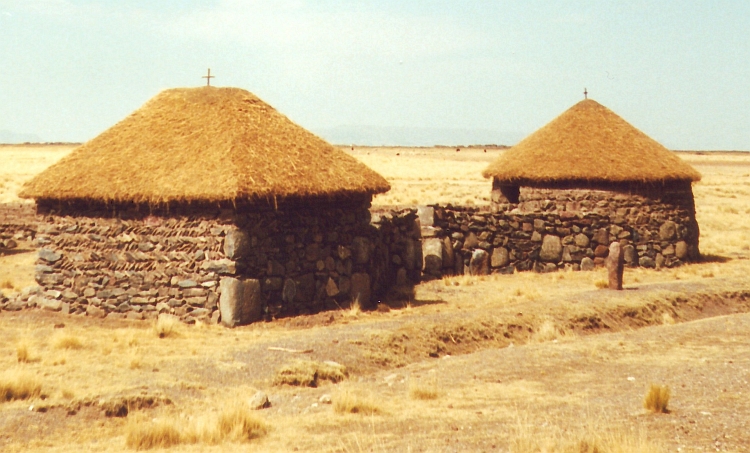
(18, 223)
(544, 234)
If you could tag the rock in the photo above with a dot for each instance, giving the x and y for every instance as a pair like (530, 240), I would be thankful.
(199, 255)
(412, 255)
(361, 250)
(305, 285)
(581, 240)
(11, 244)
(587, 264)
(289, 290)
(479, 263)
(647, 261)
(187, 283)
(668, 231)
(601, 236)
(536, 236)
(325, 399)
(54, 294)
(162, 307)
(471, 242)
(500, 257)
(601, 251)
(222, 266)
(426, 215)
(332, 289)
(630, 255)
(200, 313)
(448, 253)
(259, 401)
(615, 265)
(69, 295)
(668, 250)
(241, 301)
(360, 289)
(236, 244)
(659, 260)
(681, 250)
(401, 277)
(133, 315)
(49, 255)
(432, 251)
(145, 246)
(551, 249)
(89, 292)
(95, 312)
(49, 304)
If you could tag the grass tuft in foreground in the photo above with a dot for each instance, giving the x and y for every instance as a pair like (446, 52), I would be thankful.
(657, 399)
(424, 390)
(18, 386)
(148, 435)
(66, 341)
(167, 327)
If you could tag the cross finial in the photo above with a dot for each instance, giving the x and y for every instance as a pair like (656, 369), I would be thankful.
(585, 93)
(208, 78)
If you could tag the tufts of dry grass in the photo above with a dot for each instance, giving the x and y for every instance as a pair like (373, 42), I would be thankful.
(424, 390)
(308, 373)
(588, 439)
(19, 386)
(237, 423)
(167, 327)
(547, 331)
(67, 341)
(657, 399)
(23, 355)
(351, 403)
(601, 284)
(148, 435)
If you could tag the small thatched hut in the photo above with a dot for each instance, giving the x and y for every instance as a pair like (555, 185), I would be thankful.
(205, 193)
(589, 160)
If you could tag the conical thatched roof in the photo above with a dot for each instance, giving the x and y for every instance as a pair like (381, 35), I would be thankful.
(589, 144)
(204, 145)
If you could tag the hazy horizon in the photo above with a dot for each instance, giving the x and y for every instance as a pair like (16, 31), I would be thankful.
(387, 72)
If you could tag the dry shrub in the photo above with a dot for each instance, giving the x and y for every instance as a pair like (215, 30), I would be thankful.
(355, 308)
(349, 403)
(657, 399)
(148, 435)
(23, 355)
(67, 341)
(308, 373)
(7, 284)
(167, 326)
(19, 386)
(667, 319)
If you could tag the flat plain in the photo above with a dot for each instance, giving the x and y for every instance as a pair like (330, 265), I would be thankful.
(509, 363)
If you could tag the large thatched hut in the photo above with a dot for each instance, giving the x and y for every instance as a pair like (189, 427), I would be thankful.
(587, 161)
(207, 202)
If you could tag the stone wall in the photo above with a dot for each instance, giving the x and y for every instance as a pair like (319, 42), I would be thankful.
(553, 229)
(18, 223)
(294, 259)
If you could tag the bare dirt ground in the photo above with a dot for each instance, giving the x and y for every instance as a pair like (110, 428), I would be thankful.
(521, 363)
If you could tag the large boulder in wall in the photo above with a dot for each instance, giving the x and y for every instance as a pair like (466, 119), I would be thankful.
(241, 301)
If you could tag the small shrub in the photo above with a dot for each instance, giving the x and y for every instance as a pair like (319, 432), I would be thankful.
(348, 403)
(19, 387)
(148, 435)
(355, 308)
(167, 326)
(307, 373)
(67, 342)
(22, 353)
(601, 284)
(547, 331)
(657, 399)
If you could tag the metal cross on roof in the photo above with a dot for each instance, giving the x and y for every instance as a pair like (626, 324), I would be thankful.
(585, 93)
(208, 78)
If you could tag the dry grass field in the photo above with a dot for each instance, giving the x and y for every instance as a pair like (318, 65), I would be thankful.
(520, 363)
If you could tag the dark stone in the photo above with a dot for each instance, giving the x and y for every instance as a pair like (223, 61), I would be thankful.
(237, 244)
(289, 290)
(668, 231)
(681, 250)
(223, 266)
(479, 263)
(630, 255)
(361, 250)
(361, 289)
(500, 257)
(615, 265)
(601, 251)
(601, 237)
(587, 264)
(432, 251)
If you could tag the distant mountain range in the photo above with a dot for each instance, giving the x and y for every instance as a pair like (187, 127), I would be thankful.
(415, 136)
(14, 138)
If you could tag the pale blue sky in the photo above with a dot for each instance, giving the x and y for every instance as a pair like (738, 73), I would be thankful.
(678, 70)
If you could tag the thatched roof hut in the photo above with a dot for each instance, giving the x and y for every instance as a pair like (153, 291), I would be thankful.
(204, 145)
(589, 146)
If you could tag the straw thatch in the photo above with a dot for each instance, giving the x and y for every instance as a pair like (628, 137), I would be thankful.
(589, 144)
(204, 145)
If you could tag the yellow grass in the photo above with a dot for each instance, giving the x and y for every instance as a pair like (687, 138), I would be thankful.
(18, 385)
(657, 398)
(348, 402)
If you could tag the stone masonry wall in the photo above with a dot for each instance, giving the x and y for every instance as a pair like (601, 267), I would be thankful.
(302, 260)
(553, 229)
(18, 223)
